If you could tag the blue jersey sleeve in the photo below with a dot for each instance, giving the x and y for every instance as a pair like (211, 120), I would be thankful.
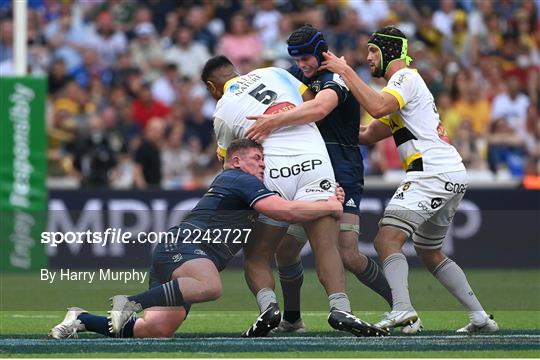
(333, 81)
(250, 189)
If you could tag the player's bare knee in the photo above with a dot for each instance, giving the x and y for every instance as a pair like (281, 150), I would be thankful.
(286, 258)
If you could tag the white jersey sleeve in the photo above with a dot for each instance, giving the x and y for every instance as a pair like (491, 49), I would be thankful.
(225, 134)
(403, 87)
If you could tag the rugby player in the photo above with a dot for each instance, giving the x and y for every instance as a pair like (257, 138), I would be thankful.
(298, 167)
(338, 117)
(186, 271)
(425, 202)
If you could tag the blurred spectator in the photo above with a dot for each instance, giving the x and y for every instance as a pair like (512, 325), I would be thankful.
(6, 40)
(60, 132)
(165, 89)
(511, 106)
(147, 169)
(108, 42)
(277, 50)
(198, 20)
(145, 107)
(76, 102)
(448, 115)
(146, 51)
(266, 22)
(443, 18)
(176, 159)
(506, 153)
(58, 76)
(240, 43)
(532, 139)
(371, 12)
(465, 142)
(90, 66)
(189, 56)
(474, 107)
(122, 176)
(94, 156)
(200, 129)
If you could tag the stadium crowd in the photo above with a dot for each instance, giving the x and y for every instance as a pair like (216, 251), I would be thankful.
(126, 107)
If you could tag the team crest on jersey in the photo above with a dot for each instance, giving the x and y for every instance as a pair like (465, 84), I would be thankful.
(316, 86)
(406, 186)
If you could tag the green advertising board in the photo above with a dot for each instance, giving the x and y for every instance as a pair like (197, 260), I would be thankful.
(23, 173)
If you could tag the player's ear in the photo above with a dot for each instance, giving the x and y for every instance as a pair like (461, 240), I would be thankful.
(211, 87)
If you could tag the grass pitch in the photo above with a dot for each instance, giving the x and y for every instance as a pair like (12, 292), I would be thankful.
(30, 307)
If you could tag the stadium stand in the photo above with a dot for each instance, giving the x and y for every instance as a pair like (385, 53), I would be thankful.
(115, 67)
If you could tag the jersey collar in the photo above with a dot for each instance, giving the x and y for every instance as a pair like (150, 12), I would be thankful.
(226, 85)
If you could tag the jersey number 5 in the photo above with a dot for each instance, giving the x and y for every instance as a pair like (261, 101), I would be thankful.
(266, 97)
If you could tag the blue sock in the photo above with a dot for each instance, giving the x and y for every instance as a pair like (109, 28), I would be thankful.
(291, 278)
(168, 294)
(95, 323)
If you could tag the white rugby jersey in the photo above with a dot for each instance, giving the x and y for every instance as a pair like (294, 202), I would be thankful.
(417, 130)
(265, 90)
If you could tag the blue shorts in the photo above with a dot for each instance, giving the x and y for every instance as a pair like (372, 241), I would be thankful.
(166, 259)
(353, 196)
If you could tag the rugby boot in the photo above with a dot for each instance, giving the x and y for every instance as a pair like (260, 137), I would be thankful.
(489, 327)
(69, 326)
(397, 318)
(122, 310)
(268, 320)
(287, 327)
(345, 321)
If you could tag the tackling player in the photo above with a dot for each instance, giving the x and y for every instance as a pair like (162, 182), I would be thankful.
(185, 271)
(424, 204)
(298, 167)
(338, 117)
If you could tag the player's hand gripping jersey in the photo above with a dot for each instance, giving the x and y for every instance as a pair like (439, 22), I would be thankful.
(419, 135)
(264, 91)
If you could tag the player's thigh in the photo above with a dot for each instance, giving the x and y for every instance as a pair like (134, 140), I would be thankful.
(431, 234)
(289, 248)
(201, 269)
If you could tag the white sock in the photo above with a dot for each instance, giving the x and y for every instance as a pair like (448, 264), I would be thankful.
(339, 301)
(265, 297)
(453, 278)
(396, 270)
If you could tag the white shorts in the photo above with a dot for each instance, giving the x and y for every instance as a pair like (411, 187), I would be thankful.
(424, 206)
(307, 177)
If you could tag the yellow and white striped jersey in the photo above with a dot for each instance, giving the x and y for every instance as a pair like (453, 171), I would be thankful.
(266, 90)
(417, 130)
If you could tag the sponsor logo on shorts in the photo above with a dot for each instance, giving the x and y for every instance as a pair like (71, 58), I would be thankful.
(199, 252)
(315, 191)
(399, 196)
(455, 187)
(436, 202)
(325, 184)
(296, 169)
(177, 258)
(424, 206)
